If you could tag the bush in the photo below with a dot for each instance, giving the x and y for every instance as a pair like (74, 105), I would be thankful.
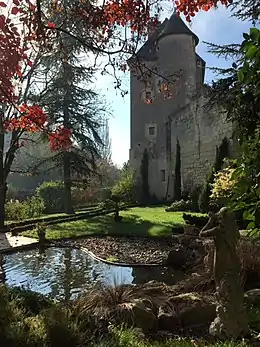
(179, 206)
(222, 152)
(31, 208)
(27, 323)
(52, 194)
(222, 186)
(125, 189)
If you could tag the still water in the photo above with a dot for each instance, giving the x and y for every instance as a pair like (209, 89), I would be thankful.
(64, 273)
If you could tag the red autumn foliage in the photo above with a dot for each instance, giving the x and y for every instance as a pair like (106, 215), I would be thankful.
(31, 119)
(60, 139)
(190, 7)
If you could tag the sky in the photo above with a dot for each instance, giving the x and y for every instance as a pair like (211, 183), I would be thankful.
(216, 26)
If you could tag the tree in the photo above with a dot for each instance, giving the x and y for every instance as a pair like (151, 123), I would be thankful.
(177, 176)
(144, 171)
(71, 104)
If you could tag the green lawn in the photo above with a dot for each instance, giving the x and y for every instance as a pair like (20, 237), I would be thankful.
(148, 221)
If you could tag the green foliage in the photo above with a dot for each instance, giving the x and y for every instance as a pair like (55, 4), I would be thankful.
(120, 337)
(52, 194)
(110, 204)
(32, 302)
(223, 185)
(246, 190)
(238, 91)
(144, 171)
(177, 176)
(245, 103)
(180, 205)
(28, 324)
(254, 317)
(30, 208)
(222, 152)
(125, 189)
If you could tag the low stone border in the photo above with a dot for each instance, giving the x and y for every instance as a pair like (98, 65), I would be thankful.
(85, 250)
(92, 255)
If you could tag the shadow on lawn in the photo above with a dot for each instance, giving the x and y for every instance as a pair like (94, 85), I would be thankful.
(105, 225)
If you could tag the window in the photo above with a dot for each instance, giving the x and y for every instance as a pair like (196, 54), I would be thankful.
(163, 176)
(151, 130)
(147, 96)
(159, 85)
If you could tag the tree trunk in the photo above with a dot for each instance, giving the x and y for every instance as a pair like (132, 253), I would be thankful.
(67, 184)
(2, 176)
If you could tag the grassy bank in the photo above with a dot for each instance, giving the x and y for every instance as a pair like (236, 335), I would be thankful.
(148, 221)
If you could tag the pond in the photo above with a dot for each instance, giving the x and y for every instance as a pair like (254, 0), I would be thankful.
(64, 273)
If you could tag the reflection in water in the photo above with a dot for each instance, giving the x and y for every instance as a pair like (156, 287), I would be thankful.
(63, 273)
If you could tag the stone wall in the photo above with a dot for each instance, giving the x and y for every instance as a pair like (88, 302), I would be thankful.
(200, 130)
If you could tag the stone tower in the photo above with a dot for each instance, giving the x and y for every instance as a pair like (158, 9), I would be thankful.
(157, 125)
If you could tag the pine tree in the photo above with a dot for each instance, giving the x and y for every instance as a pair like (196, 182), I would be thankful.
(144, 171)
(71, 104)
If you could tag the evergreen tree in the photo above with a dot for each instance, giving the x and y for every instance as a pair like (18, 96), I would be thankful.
(177, 177)
(71, 104)
(144, 171)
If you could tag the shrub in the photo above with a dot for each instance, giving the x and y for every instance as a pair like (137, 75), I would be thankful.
(179, 206)
(15, 210)
(222, 152)
(31, 208)
(125, 189)
(83, 196)
(52, 194)
(34, 207)
(32, 302)
(222, 186)
(26, 323)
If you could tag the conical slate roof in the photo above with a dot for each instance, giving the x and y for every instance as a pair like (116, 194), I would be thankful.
(172, 26)
(175, 26)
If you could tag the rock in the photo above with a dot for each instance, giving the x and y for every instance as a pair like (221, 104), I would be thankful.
(191, 230)
(176, 258)
(139, 315)
(186, 240)
(194, 309)
(252, 296)
(167, 319)
(177, 230)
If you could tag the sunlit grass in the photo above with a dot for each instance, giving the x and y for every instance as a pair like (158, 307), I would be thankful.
(148, 221)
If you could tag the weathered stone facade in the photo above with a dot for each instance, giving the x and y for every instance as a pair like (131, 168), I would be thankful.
(171, 52)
